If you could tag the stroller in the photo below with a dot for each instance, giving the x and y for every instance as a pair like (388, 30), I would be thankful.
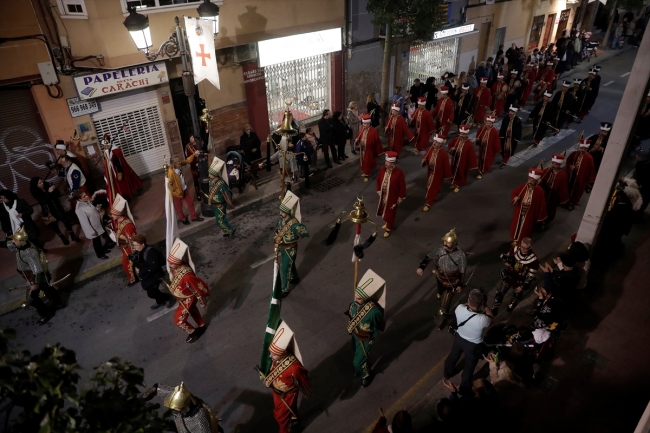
(239, 172)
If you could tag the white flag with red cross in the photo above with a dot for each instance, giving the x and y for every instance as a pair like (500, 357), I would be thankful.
(201, 49)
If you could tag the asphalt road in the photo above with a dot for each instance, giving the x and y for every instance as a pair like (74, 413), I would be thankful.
(106, 319)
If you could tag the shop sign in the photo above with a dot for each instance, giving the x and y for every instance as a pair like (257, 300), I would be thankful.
(80, 108)
(455, 31)
(296, 47)
(121, 80)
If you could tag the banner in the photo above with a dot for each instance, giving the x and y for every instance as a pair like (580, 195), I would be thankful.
(273, 320)
(172, 227)
(201, 48)
(120, 80)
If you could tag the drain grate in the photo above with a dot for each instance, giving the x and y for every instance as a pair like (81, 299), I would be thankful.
(594, 358)
(328, 184)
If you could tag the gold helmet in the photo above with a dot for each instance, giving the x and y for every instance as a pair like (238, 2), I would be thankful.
(179, 399)
(451, 237)
(20, 235)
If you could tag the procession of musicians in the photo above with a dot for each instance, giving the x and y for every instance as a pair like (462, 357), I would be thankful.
(450, 157)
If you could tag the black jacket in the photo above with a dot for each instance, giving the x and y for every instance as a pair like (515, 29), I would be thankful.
(247, 144)
(26, 211)
(339, 132)
(49, 201)
(150, 265)
(325, 128)
(375, 112)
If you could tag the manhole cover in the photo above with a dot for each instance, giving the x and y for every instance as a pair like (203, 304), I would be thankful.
(328, 184)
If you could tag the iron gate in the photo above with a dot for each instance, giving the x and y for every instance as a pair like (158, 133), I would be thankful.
(432, 59)
(306, 81)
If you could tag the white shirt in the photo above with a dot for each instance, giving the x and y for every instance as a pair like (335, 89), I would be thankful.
(471, 331)
(180, 174)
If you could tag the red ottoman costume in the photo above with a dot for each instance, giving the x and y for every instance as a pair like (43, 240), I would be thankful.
(530, 206)
(438, 168)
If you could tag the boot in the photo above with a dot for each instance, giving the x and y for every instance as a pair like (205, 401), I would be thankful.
(64, 239)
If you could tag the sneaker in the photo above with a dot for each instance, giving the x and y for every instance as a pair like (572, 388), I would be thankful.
(156, 306)
(44, 319)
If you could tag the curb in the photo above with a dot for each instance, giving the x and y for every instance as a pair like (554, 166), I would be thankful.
(15, 304)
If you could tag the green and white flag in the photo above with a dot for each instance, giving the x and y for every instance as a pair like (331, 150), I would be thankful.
(273, 320)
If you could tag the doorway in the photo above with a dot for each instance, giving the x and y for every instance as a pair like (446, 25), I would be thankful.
(499, 38)
(483, 41)
(564, 20)
(549, 28)
(535, 32)
(182, 109)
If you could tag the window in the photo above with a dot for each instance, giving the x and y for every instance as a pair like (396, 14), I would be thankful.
(162, 5)
(499, 39)
(72, 9)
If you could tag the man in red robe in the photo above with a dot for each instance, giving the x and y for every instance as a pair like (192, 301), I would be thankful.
(463, 158)
(489, 144)
(118, 174)
(436, 161)
(124, 231)
(483, 101)
(581, 171)
(369, 146)
(555, 184)
(499, 93)
(287, 377)
(396, 130)
(545, 80)
(391, 188)
(528, 78)
(443, 114)
(188, 289)
(530, 206)
(422, 125)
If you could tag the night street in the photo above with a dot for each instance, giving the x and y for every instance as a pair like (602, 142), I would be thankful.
(104, 318)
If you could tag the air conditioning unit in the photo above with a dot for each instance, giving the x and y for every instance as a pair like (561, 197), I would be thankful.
(244, 53)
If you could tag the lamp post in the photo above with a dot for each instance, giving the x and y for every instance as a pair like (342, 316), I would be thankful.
(138, 27)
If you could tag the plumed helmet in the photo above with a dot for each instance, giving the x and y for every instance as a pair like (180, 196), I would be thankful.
(180, 399)
(20, 235)
(451, 237)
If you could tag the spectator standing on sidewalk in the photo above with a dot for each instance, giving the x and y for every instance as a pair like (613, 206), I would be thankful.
(327, 138)
(91, 223)
(373, 108)
(149, 262)
(402, 423)
(16, 213)
(250, 143)
(304, 146)
(340, 135)
(469, 338)
(354, 122)
(309, 135)
(52, 212)
(178, 188)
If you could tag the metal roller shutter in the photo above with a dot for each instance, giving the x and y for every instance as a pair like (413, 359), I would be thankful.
(136, 124)
(23, 143)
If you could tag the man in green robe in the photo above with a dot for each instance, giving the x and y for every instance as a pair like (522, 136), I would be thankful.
(366, 314)
(220, 196)
(286, 238)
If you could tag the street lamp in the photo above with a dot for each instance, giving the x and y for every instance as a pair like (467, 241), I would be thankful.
(210, 11)
(138, 27)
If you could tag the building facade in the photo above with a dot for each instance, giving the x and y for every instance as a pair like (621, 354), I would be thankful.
(142, 103)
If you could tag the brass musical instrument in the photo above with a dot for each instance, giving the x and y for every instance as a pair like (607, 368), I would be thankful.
(206, 118)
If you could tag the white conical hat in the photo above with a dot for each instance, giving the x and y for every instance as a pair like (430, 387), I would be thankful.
(285, 340)
(177, 254)
(372, 287)
(120, 207)
(218, 168)
(291, 205)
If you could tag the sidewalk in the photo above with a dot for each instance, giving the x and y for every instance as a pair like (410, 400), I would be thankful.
(79, 260)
